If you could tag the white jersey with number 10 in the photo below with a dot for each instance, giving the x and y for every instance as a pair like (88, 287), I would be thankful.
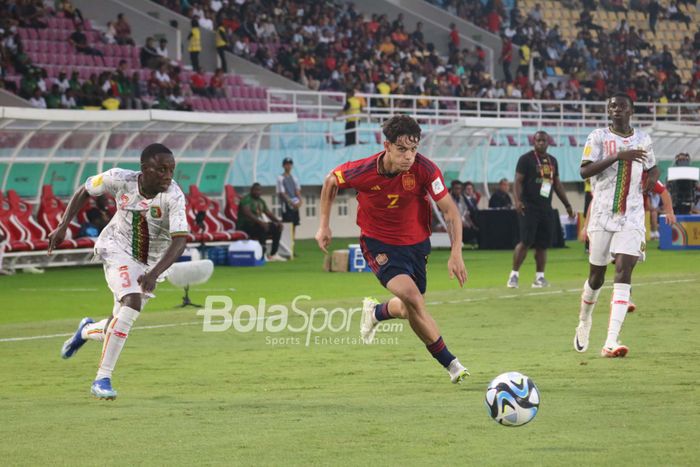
(618, 202)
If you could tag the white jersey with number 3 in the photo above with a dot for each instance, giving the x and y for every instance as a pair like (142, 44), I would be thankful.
(142, 228)
(618, 202)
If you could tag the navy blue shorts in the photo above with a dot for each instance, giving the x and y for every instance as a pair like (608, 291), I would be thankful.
(388, 261)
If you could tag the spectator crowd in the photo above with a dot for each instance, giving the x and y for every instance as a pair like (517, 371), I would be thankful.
(331, 46)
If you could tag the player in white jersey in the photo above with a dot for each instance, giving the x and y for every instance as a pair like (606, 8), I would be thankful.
(615, 158)
(143, 239)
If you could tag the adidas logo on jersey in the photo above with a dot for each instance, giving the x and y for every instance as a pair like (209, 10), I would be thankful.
(376, 188)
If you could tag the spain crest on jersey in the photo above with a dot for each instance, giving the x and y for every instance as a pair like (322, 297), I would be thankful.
(408, 181)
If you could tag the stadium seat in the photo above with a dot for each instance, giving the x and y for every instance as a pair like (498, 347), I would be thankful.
(232, 200)
(10, 229)
(49, 215)
(213, 225)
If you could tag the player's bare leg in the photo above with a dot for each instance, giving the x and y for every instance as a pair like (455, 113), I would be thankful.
(624, 265)
(540, 262)
(424, 326)
(115, 338)
(589, 297)
(519, 255)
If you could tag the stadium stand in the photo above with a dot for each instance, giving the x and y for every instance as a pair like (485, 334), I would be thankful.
(335, 47)
(44, 57)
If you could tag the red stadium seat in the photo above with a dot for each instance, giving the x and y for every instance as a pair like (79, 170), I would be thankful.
(51, 211)
(216, 226)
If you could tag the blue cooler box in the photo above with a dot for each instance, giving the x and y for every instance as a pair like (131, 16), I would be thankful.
(356, 261)
(217, 255)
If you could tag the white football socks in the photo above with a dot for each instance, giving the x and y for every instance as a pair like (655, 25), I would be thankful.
(618, 311)
(589, 297)
(515, 273)
(95, 331)
(115, 337)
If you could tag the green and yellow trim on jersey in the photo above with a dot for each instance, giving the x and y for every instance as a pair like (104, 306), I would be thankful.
(178, 234)
(622, 187)
(139, 237)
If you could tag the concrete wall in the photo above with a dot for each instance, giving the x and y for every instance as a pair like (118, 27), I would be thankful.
(142, 25)
(7, 99)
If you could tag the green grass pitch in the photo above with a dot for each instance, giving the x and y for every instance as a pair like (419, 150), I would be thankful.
(191, 397)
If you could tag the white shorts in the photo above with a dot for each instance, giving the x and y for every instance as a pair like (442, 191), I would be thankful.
(122, 273)
(604, 245)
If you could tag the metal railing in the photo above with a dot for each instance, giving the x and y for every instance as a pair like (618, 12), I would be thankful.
(440, 110)
(306, 104)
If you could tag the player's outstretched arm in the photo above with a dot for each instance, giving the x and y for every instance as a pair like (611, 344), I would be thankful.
(455, 264)
(668, 207)
(328, 193)
(174, 251)
(59, 233)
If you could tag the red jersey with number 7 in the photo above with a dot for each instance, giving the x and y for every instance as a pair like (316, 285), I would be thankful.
(396, 209)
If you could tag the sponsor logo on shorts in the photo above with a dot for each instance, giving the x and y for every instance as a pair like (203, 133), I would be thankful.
(376, 188)
(124, 268)
(97, 181)
(381, 259)
(339, 175)
(408, 181)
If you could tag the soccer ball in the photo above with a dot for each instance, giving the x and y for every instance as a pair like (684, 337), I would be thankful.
(512, 399)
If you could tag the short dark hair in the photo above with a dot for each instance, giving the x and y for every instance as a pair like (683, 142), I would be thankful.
(622, 95)
(254, 185)
(152, 150)
(401, 125)
(503, 180)
(455, 182)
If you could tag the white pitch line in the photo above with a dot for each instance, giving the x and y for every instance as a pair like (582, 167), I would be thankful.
(466, 300)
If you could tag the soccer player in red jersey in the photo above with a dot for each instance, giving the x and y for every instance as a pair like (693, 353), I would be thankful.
(394, 216)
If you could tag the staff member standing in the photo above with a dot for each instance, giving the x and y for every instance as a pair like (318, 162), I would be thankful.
(536, 174)
(352, 111)
(195, 44)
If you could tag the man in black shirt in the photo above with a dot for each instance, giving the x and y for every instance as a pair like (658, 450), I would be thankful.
(78, 39)
(501, 199)
(536, 174)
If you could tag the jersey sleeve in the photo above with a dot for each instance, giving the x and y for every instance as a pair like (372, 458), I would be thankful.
(107, 182)
(340, 175)
(434, 181)
(650, 161)
(593, 149)
(659, 188)
(178, 216)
